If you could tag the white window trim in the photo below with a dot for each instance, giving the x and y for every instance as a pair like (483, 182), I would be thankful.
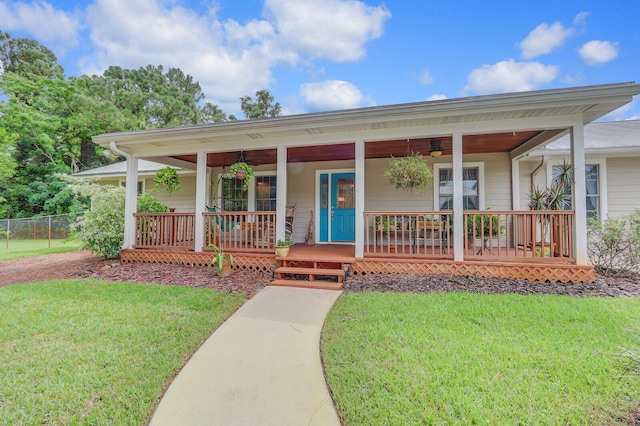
(251, 193)
(436, 181)
(601, 162)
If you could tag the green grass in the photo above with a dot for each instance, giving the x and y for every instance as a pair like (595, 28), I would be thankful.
(480, 359)
(90, 352)
(27, 248)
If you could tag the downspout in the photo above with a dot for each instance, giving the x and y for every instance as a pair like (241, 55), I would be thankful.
(114, 147)
(542, 165)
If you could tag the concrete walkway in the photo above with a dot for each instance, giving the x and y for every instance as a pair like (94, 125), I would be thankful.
(261, 367)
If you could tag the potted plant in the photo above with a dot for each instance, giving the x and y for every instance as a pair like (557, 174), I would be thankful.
(409, 173)
(555, 196)
(282, 246)
(243, 172)
(221, 261)
(167, 177)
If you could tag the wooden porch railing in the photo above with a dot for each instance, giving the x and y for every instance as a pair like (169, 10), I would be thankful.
(408, 234)
(240, 231)
(171, 231)
(488, 235)
(513, 234)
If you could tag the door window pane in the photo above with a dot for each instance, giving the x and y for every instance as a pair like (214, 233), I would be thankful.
(346, 193)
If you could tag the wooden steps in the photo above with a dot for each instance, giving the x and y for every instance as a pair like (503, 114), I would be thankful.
(321, 269)
(311, 272)
(322, 285)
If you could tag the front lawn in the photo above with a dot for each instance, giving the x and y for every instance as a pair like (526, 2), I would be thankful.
(460, 358)
(27, 248)
(90, 352)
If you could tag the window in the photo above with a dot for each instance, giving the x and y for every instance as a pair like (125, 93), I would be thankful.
(234, 199)
(123, 184)
(593, 190)
(265, 193)
(592, 175)
(261, 195)
(472, 176)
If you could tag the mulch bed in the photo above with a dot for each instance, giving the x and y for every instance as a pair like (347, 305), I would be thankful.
(86, 265)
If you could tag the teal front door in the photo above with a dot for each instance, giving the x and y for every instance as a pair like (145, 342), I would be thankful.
(342, 214)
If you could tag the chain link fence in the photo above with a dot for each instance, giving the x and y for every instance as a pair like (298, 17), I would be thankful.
(45, 229)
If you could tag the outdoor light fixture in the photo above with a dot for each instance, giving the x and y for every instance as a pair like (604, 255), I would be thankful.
(436, 148)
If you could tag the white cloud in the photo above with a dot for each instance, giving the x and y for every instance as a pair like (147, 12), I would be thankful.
(329, 29)
(331, 95)
(598, 52)
(228, 58)
(580, 19)
(510, 76)
(55, 28)
(437, 97)
(543, 39)
(425, 78)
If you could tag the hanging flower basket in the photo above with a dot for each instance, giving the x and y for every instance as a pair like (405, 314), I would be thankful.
(167, 177)
(410, 173)
(242, 171)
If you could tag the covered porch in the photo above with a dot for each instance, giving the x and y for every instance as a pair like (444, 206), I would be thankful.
(474, 220)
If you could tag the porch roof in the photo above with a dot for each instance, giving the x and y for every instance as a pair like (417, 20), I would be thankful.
(525, 122)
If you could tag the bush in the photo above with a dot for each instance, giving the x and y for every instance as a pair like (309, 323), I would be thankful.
(102, 227)
(148, 204)
(614, 245)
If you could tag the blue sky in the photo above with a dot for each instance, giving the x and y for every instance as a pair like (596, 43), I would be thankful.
(316, 55)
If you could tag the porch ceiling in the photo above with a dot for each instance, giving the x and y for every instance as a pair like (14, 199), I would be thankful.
(472, 144)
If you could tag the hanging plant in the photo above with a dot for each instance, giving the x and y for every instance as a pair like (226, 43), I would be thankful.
(409, 173)
(243, 172)
(168, 177)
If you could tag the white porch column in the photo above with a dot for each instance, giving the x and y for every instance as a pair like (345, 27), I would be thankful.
(130, 202)
(458, 204)
(579, 193)
(360, 198)
(281, 192)
(515, 184)
(201, 201)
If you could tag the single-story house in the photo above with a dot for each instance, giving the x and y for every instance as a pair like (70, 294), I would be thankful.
(484, 151)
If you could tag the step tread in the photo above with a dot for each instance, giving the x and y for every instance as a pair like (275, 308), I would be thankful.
(309, 271)
(322, 285)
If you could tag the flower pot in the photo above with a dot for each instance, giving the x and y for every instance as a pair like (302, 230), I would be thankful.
(282, 251)
(241, 174)
(225, 271)
(543, 251)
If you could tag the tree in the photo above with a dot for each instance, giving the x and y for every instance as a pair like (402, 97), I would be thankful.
(25, 56)
(262, 107)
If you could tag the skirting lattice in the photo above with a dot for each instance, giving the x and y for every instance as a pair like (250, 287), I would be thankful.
(261, 263)
(531, 272)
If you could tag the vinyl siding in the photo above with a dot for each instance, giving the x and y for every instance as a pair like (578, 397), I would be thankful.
(623, 185)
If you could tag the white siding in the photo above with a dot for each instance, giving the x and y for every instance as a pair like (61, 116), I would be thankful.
(623, 185)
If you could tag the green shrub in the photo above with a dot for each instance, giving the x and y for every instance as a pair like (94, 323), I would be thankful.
(102, 228)
(148, 204)
(614, 245)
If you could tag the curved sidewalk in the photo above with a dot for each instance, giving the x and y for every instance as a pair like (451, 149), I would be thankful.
(261, 367)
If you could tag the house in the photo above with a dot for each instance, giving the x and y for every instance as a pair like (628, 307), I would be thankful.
(612, 167)
(330, 165)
